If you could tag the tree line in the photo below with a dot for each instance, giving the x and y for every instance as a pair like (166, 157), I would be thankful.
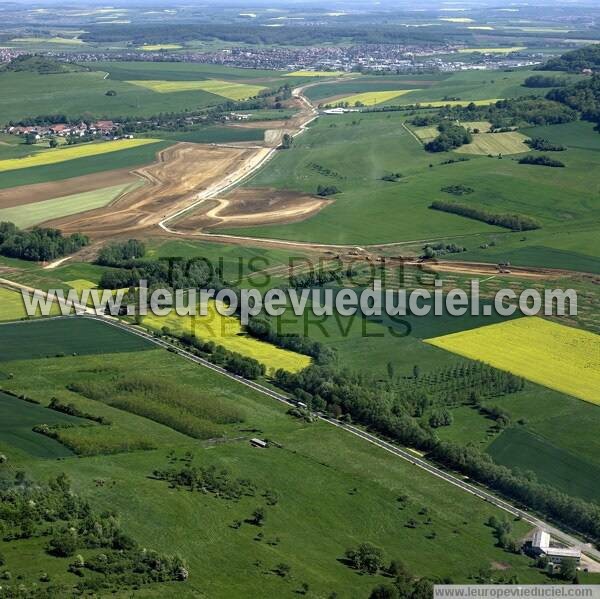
(541, 161)
(260, 328)
(514, 222)
(38, 244)
(575, 61)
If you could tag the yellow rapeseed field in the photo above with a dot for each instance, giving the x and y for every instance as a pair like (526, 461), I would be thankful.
(12, 307)
(157, 47)
(227, 89)
(492, 50)
(227, 331)
(551, 354)
(71, 153)
(372, 98)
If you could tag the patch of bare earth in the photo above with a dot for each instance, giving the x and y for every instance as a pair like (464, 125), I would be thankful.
(250, 207)
(38, 192)
(279, 124)
(172, 183)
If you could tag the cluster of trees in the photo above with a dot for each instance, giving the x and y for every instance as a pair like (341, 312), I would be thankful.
(457, 190)
(319, 278)
(53, 511)
(583, 96)
(545, 81)
(440, 249)
(544, 145)
(42, 65)
(38, 244)
(391, 177)
(572, 511)
(451, 136)
(115, 254)
(327, 190)
(575, 61)
(130, 266)
(502, 531)
(541, 161)
(208, 479)
(366, 558)
(440, 417)
(515, 222)
(325, 171)
(261, 328)
(394, 411)
(513, 112)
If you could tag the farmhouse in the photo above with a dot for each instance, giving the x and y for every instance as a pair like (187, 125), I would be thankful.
(540, 546)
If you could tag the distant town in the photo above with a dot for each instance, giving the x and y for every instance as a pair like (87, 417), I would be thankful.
(383, 58)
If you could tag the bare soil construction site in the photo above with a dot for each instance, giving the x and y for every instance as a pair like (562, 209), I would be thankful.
(181, 172)
(246, 207)
(38, 192)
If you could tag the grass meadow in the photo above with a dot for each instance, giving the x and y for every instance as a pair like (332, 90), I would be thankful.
(370, 210)
(35, 213)
(511, 142)
(50, 94)
(64, 336)
(351, 488)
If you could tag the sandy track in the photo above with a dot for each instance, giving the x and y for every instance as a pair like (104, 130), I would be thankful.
(180, 173)
(38, 192)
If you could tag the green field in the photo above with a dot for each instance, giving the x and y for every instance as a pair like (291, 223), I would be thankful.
(64, 336)
(369, 210)
(353, 493)
(216, 134)
(358, 85)
(53, 94)
(519, 448)
(18, 417)
(511, 142)
(466, 86)
(129, 158)
(28, 215)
